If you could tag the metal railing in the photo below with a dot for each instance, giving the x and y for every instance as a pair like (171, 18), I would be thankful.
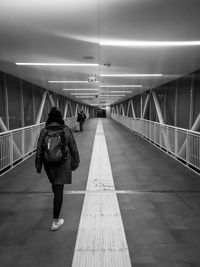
(18, 144)
(178, 142)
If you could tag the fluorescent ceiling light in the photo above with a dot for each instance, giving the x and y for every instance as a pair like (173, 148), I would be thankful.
(120, 91)
(95, 104)
(148, 43)
(81, 89)
(56, 64)
(83, 94)
(72, 82)
(111, 85)
(131, 75)
(111, 95)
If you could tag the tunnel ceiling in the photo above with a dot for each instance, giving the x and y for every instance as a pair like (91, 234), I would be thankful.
(117, 37)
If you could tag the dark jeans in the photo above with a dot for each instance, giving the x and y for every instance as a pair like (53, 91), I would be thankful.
(58, 199)
(81, 125)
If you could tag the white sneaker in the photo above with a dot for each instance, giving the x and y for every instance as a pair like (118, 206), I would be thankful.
(57, 224)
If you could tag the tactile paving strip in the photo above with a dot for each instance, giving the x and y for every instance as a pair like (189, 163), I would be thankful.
(101, 241)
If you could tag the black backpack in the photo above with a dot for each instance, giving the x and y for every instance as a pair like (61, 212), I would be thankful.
(81, 117)
(54, 147)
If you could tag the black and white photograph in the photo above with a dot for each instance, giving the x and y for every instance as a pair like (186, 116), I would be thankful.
(99, 133)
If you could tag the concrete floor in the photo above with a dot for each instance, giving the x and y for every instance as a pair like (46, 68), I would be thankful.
(162, 224)
(159, 200)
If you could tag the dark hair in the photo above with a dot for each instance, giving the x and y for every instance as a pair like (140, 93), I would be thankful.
(55, 116)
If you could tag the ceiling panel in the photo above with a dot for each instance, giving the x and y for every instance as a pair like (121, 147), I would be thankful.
(71, 32)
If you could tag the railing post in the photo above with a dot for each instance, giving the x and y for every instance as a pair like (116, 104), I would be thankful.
(167, 147)
(22, 142)
(176, 142)
(150, 135)
(187, 149)
(32, 139)
(146, 128)
(160, 138)
(140, 126)
(11, 148)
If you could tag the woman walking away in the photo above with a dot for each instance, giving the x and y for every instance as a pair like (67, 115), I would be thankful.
(57, 151)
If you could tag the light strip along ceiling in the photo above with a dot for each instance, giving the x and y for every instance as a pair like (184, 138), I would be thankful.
(56, 64)
(83, 93)
(84, 96)
(131, 75)
(72, 82)
(111, 95)
(120, 91)
(81, 89)
(120, 85)
(149, 43)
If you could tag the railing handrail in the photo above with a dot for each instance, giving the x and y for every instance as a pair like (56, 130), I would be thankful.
(30, 126)
(155, 122)
(18, 144)
(179, 143)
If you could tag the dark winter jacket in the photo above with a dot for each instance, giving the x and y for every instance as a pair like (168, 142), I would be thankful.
(81, 117)
(62, 173)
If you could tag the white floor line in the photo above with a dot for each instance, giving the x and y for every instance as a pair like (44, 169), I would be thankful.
(101, 240)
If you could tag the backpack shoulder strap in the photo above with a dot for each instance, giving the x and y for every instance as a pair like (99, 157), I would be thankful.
(63, 137)
(43, 133)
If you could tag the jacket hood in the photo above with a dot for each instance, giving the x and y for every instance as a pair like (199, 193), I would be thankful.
(54, 124)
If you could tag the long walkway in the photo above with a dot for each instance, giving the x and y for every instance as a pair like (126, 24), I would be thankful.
(158, 198)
